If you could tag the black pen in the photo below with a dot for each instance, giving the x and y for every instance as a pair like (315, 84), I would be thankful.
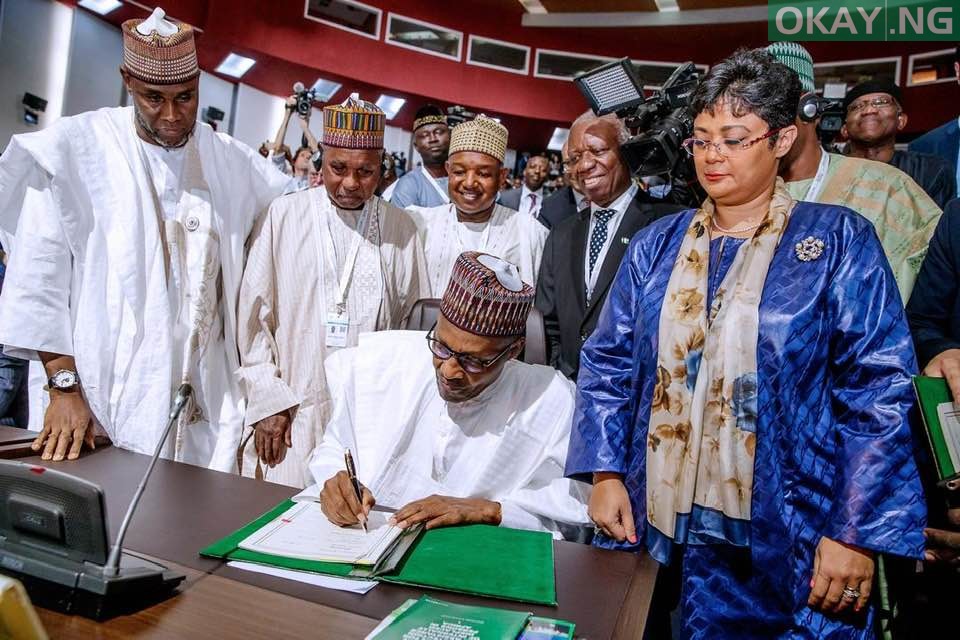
(352, 472)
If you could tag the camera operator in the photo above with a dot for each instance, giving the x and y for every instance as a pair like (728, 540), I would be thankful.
(583, 251)
(302, 158)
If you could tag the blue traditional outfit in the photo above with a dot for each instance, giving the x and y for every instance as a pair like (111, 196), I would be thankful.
(810, 440)
(418, 188)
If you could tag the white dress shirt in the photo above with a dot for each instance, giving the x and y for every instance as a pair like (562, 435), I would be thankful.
(620, 204)
(530, 205)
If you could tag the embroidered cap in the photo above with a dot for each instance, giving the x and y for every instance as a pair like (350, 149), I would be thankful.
(159, 51)
(798, 59)
(428, 114)
(353, 124)
(486, 297)
(482, 134)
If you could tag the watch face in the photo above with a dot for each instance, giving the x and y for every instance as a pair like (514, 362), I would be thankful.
(64, 379)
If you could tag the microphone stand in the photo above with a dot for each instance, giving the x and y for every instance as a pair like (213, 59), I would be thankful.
(112, 568)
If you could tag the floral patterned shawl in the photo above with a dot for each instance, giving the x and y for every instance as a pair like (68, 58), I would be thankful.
(702, 434)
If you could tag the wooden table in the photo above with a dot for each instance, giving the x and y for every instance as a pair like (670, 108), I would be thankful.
(607, 594)
(15, 442)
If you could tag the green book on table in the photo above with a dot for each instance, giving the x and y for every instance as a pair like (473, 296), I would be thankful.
(483, 560)
(432, 619)
(941, 421)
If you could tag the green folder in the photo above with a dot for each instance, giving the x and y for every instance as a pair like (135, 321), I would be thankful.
(931, 393)
(483, 560)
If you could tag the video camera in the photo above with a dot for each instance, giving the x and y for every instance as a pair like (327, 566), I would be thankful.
(305, 98)
(458, 115)
(662, 122)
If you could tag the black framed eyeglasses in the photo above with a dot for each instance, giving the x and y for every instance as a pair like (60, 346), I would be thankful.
(470, 364)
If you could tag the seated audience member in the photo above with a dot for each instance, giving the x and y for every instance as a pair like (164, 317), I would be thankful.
(567, 200)
(903, 215)
(529, 197)
(743, 405)
(874, 116)
(944, 141)
(324, 265)
(473, 221)
(470, 435)
(583, 252)
(425, 186)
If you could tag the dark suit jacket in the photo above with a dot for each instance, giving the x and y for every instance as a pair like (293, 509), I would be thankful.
(944, 141)
(557, 207)
(511, 199)
(561, 287)
(934, 307)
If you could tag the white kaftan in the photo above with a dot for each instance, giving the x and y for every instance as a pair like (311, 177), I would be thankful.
(516, 238)
(509, 444)
(297, 257)
(136, 279)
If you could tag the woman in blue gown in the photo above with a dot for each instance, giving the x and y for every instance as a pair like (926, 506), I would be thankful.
(742, 406)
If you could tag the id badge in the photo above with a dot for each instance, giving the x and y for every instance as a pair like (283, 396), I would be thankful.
(337, 326)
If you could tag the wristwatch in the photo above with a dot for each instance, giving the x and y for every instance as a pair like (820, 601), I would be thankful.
(63, 380)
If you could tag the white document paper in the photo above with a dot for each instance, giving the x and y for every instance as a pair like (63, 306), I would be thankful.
(303, 532)
(950, 425)
(317, 579)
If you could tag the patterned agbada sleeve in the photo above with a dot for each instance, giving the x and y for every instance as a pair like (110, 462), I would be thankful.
(602, 422)
(880, 503)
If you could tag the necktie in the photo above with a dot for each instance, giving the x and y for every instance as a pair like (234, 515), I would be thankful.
(599, 237)
(533, 203)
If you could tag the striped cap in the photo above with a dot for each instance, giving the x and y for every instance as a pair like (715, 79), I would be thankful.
(159, 51)
(353, 124)
(798, 59)
(486, 297)
(482, 134)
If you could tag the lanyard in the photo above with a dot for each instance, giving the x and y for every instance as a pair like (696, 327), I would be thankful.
(813, 192)
(330, 251)
(484, 237)
(434, 184)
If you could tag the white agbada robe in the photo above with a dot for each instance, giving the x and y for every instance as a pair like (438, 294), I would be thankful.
(509, 444)
(516, 238)
(291, 283)
(134, 271)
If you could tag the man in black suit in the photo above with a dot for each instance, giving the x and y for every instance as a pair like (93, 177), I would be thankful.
(566, 201)
(529, 197)
(583, 252)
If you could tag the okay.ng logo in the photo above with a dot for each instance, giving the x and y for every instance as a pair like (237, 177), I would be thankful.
(916, 20)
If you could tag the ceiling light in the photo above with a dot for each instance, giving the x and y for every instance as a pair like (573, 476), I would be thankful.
(235, 65)
(325, 89)
(390, 105)
(103, 7)
(558, 139)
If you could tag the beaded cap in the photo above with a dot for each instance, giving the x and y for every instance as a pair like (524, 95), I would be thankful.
(482, 134)
(486, 297)
(159, 51)
(353, 124)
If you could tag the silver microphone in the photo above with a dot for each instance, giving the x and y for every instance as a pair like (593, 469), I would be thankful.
(298, 87)
(184, 392)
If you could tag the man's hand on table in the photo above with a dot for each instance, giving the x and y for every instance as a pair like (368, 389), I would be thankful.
(338, 501)
(67, 425)
(444, 511)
